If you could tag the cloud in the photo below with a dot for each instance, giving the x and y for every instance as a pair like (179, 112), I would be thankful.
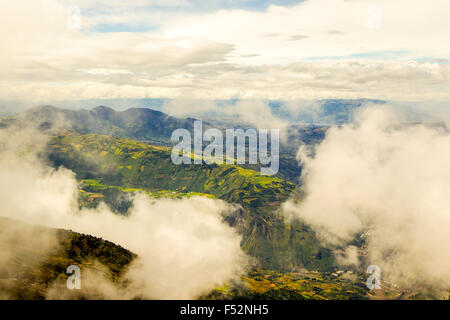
(270, 35)
(298, 37)
(389, 182)
(422, 31)
(251, 112)
(350, 257)
(45, 53)
(222, 54)
(335, 32)
(184, 247)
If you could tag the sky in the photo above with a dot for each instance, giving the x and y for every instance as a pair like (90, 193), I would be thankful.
(231, 49)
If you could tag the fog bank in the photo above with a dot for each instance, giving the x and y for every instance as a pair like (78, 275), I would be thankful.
(389, 182)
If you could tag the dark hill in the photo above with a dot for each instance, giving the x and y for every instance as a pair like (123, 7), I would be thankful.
(34, 259)
(136, 123)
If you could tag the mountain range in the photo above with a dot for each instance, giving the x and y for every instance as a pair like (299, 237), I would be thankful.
(113, 158)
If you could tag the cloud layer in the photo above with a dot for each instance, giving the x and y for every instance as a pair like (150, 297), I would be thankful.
(389, 182)
(315, 49)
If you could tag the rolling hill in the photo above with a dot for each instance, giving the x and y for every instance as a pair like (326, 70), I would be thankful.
(34, 260)
(135, 123)
(131, 164)
(155, 127)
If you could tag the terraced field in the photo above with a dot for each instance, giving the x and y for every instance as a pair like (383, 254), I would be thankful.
(269, 284)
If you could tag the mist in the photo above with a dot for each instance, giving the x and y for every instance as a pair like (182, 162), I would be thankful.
(388, 183)
(254, 112)
(184, 247)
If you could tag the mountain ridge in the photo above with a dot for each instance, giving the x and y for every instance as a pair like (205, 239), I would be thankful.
(143, 124)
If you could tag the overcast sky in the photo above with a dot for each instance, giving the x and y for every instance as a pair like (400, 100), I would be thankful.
(284, 50)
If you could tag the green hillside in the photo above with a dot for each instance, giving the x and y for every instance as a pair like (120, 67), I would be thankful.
(155, 127)
(131, 164)
(92, 193)
(36, 258)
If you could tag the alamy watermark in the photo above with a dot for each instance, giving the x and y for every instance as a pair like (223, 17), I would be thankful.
(258, 145)
(374, 281)
(374, 17)
(74, 280)
(74, 17)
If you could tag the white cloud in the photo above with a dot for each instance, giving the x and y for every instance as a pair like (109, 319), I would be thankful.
(227, 53)
(256, 113)
(389, 181)
(415, 26)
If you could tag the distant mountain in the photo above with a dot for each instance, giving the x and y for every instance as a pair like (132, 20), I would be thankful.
(153, 127)
(322, 112)
(340, 111)
(136, 123)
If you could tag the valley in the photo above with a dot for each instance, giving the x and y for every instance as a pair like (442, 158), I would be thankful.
(112, 166)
